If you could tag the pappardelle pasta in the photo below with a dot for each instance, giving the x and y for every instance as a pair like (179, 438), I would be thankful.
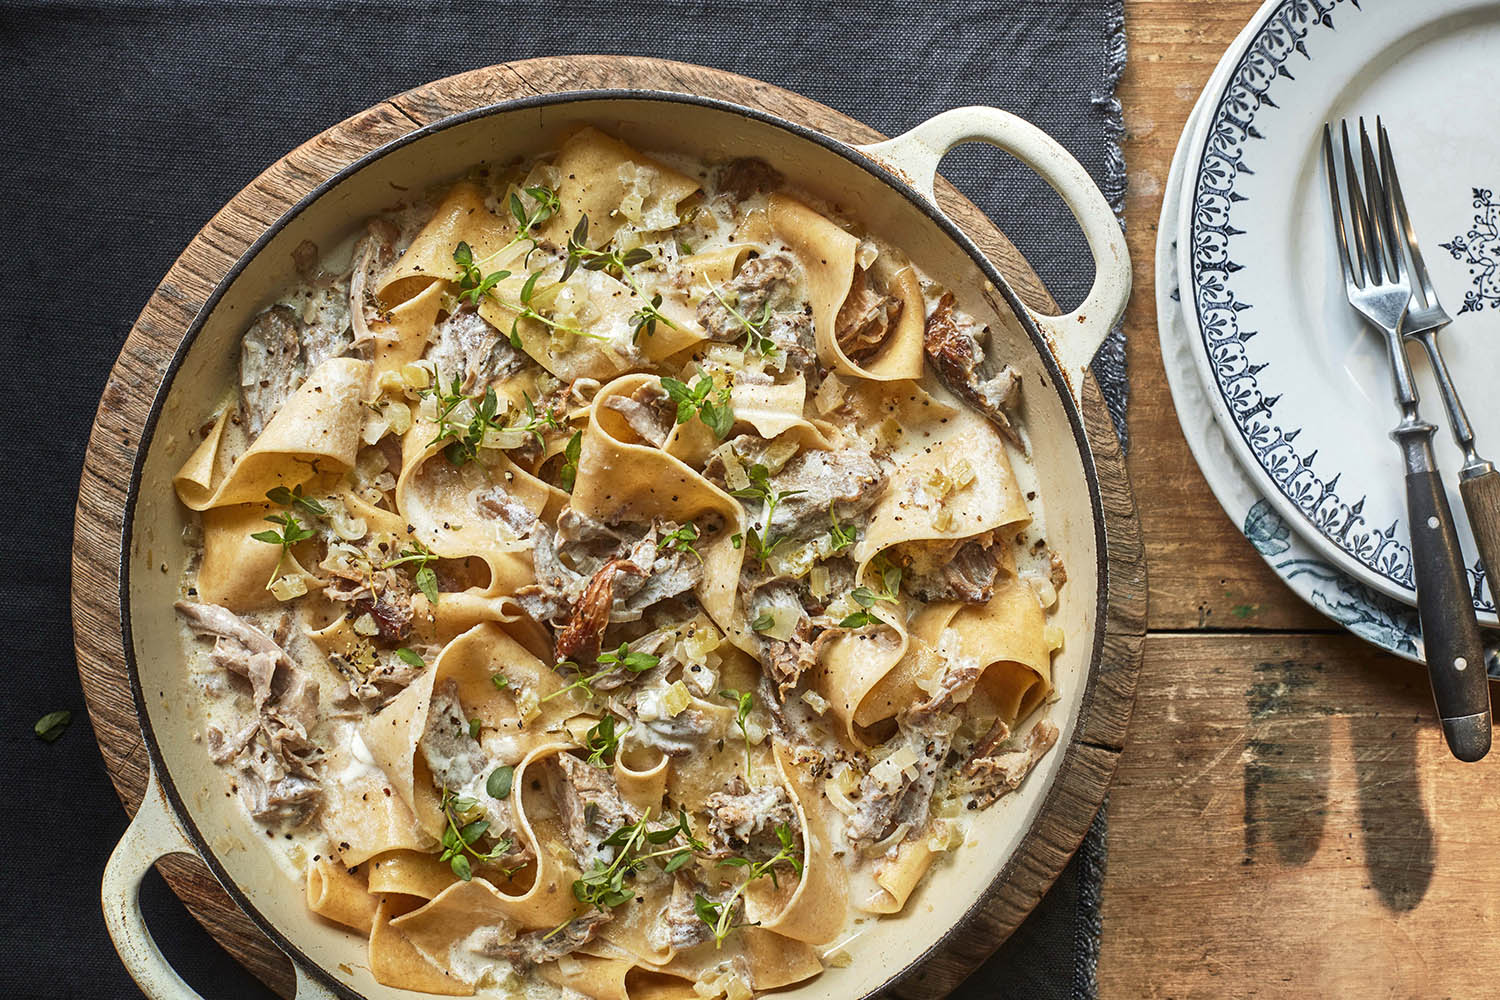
(613, 579)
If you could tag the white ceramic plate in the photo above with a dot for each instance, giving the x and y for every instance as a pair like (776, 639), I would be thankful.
(1300, 387)
(1371, 616)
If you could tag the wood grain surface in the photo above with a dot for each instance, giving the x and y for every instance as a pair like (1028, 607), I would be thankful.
(1090, 759)
(1285, 822)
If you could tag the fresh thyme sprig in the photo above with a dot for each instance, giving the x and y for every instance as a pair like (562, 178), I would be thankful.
(755, 329)
(466, 438)
(461, 834)
(616, 265)
(473, 284)
(744, 702)
(762, 542)
(611, 661)
(843, 535)
(718, 915)
(681, 540)
(701, 400)
(525, 310)
(567, 476)
(890, 593)
(292, 531)
(603, 741)
(294, 499)
(604, 887)
(425, 576)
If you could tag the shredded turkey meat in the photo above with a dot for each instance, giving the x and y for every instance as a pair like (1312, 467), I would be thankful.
(1000, 771)
(535, 948)
(867, 317)
(276, 744)
(765, 292)
(953, 346)
(849, 480)
(469, 349)
(589, 806)
(743, 822)
(904, 796)
(966, 573)
(649, 411)
(748, 176)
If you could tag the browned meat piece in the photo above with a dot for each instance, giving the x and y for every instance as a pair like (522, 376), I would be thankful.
(849, 480)
(681, 927)
(640, 574)
(589, 805)
(538, 947)
(866, 318)
(469, 348)
(271, 366)
(1000, 772)
(786, 660)
(649, 411)
(887, 800)
(1056, 571)
(967, 575)
(743, 822)
(748, 176)
(581, 637)
(953, 347)
(390, 608)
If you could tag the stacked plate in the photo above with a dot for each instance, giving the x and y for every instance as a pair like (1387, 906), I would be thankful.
(1284, 395)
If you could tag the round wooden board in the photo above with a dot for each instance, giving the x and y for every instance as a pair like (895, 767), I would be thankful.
(133, 382)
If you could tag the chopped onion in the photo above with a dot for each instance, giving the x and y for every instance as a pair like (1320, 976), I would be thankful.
(365, 625)
(840, 959)
(701, 639)
(288, 587)
(784, 621)
(415, 377)
(866, 254)
(962, 473)
(502, 440)
(830, 395)
(1046, 593)
(399, 416)
(345, 526)
(390, 382)
(1053, 636)
(755, 733)
(374, 428)
(676, 699)
(815, 701)
(943, 519)
(820, 581)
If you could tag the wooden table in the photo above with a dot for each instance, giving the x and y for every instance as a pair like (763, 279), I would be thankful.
(1285, 820)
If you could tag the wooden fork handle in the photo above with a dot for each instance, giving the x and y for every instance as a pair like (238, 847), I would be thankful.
(1482, 503)
(1450, 632)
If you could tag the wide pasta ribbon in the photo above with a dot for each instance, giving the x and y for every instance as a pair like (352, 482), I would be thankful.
(316, 430)
(828, 257)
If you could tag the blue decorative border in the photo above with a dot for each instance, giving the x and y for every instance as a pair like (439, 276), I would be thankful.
(1231, 131)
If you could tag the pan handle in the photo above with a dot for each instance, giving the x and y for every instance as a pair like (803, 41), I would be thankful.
(1075, 336)
(151, 836)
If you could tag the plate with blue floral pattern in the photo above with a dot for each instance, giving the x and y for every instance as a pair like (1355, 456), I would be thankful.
(1298, 386)
(1372, 616)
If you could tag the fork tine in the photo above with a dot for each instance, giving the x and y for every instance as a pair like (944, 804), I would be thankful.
(1359, 221)
(1338, 212)
(1386, 243)
(1423, 288)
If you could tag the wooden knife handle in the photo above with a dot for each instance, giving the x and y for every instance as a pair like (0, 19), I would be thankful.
(1482, 502)
(1450, 632)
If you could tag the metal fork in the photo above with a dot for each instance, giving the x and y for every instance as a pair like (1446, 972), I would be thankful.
(1478, 480)
(1377, 285)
